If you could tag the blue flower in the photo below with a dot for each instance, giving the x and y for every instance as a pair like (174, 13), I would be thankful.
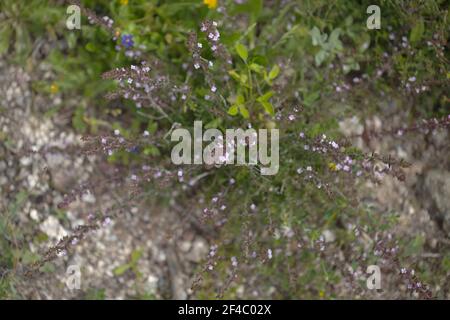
(134, 149)
(127, 41)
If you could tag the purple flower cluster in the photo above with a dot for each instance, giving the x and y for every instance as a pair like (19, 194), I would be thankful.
(127, 41)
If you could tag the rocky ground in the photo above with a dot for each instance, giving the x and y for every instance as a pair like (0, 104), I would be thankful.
(166, 267)
(163, 269)
(422, 200)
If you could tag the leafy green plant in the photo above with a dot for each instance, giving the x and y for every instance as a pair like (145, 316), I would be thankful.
(131, 265)
(328, 45)
(255, 83)
(301, 67)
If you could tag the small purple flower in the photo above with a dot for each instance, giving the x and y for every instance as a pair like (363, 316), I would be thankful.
(107, 221)
(127, 41)
(61, 253)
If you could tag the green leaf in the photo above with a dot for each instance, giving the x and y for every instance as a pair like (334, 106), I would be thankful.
(91, 47)
(268, 107)
(23, 42)
(95, 294)
(152, 127)
(151, 151)
(214, 123)
(315, 36)
(71, 40)
(318, 39)
(244, 112)
(20, 198)
(320, 57)
(349, 65)
(233, 110)
(334, 39)
(417, 31)
(252, 7)
(242, 51)
(265, 97)
(235, 75)
(311, 97)
(120, 270)
(241, 78)
(5, 33)
(78, 120)
(256, 67)
(135, 256)
(48, 267)
(240, 99)
(274, 72)
(244, 79)
(256, 7)
(29, 257)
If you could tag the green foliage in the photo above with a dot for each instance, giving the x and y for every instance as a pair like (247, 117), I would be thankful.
(11, 253)
(95, 294)
(131, 265)
(328, 45)
(23, 23)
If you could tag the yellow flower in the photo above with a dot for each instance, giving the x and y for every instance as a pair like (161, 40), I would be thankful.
(54, 88)
(332, 166)
(321, 294)
(212, 4)
(124, 2)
